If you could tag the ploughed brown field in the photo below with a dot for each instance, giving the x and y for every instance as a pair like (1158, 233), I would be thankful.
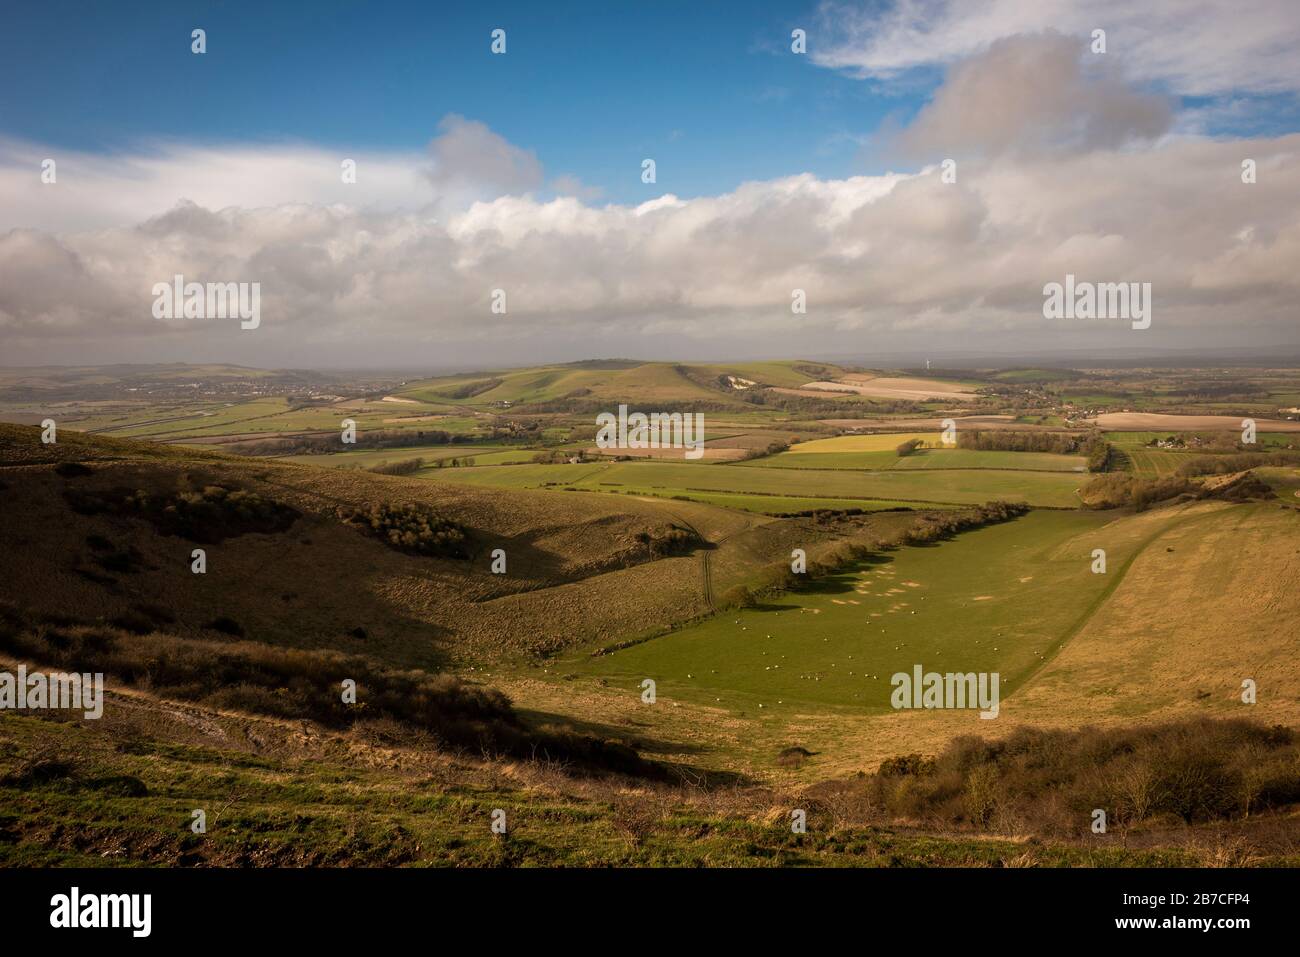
(1158, 422)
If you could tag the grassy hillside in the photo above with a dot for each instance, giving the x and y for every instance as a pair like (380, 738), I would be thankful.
(521, 691)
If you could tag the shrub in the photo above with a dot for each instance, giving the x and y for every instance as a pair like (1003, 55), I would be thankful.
(207, 515)
(1117, 490)
(416, 529)
(738, 596)
(404, 467)
(291, 683)
(1190, 771)
(227, 626)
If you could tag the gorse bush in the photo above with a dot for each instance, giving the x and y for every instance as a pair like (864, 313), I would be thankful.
(1185, 772)
(296, 684)
(663, 542)
(417, 529)
(207, 515)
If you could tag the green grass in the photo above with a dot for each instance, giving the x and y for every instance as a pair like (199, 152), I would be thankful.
(980, 459)
(208, 420)
(826, 460)
(828, 640)
(961, 487)
(646, 382)
(923, 459)
(334, 811)
(1284, 481)
(1155, 462)
(1036, 375)
(368, 458)
(777, 504)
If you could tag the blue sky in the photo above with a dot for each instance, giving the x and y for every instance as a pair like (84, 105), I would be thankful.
(715, 98)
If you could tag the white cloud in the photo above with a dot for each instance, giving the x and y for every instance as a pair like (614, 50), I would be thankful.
(94, 190)
(885, 260)
(1030, 94)
(1190, 47)
(469, 159)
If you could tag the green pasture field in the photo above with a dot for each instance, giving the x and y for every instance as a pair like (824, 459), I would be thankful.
(1284, 481)
(1155, 462)
(980, 459)
(1036, 375)
(501, 457)
(117, 418)
(825, 460)
(369, 458)
(219, 418)
(962, 487)
(517, 476)
(774, 504)
(925, 459)
(999, 598)
(276, 415)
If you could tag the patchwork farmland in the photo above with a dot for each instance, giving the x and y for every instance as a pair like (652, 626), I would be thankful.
(475, 533)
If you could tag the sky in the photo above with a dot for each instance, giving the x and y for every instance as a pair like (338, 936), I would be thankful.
(919, 172)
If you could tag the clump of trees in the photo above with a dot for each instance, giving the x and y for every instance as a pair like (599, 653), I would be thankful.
(908, 447)
(775, 447)
(672, 540)
(560, 456)
(817, 407)
(367, 439)
(1101, 455)
(404, 467)
(1226, 464)
(1004, 440)
(1099, 452)
(416, 529)
(1120, 490)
